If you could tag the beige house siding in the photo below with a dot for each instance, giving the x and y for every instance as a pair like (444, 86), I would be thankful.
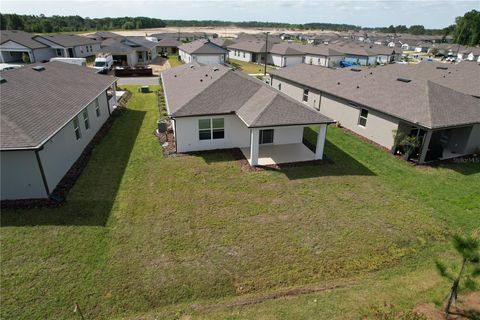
(379, 126)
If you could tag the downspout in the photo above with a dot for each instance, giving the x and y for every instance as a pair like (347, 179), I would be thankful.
(42, 172)
(108, 105)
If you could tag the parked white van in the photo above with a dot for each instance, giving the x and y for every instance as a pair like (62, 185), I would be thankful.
(103, 62)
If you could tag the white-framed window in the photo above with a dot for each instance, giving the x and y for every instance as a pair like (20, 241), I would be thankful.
(76, 128)
(305, 95)
(97, 108)
(85, 119)
(362, 119)
(213, 128)
(279, 87)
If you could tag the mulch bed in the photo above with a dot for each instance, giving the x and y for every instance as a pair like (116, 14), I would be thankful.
(59, 194)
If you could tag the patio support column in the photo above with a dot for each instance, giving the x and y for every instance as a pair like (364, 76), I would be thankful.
(254, 146)
(322, 132)
(425, 145)
(65, 52)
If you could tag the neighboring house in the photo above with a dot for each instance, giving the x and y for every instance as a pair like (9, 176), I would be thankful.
(374, 103)
(15, 44)
(224, 42)
(130, 51)
(422, 46)
(184, 36)
(321, 55)
(70, 45)
(49, 114)
(284, 55)
(249, 51)
(474, 54)
(357, 54)
(168, 46)
(213, 107)
(202, 51)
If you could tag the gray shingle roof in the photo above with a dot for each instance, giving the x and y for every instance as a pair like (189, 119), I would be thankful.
(68, 40)
(423, 101)
(202, 46)
(20, 37)
(285, 49)
(195, 90)
(169, 42)
(36, 104)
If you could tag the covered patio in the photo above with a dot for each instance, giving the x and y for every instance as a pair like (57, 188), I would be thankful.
(284, 153)
(279, 145)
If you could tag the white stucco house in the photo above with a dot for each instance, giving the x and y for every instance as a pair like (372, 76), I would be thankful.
(422, 101)
(14, 44)
(70, 45)
(202, 51)
(213, 107)
(45, 129)
(284, 55)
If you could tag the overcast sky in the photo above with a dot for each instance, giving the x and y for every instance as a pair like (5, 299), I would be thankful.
(431, 14)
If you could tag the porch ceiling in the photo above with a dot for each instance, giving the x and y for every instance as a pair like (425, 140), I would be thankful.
(281, 153)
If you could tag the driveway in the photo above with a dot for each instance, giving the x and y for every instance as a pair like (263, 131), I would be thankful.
(143, 81)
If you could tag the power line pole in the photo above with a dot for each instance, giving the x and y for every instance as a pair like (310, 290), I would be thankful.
(266, 53)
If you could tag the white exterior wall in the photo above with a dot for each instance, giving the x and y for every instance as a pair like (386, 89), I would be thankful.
(379, 126)
(44, 54)
(362, 60)
(81, 51)
(333, 61)
(284, 61)
(383, 59)
(20, 176)
(61, 152)
(237, 134)
(209, 58)
(286, 135)
(185, 57)
(242, 55)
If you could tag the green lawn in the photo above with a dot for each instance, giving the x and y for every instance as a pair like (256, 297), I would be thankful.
(248, 67)
(90, 61)
(142, 236)
(174, 62)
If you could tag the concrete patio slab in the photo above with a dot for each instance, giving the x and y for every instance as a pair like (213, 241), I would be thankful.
(281, 153)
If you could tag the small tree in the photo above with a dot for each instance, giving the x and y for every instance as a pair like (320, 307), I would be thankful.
(469, 249)
(25, 57)
(409, 144)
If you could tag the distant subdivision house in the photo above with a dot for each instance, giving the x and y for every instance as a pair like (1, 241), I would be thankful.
(49, 114)
(70, 45)
(202, 51)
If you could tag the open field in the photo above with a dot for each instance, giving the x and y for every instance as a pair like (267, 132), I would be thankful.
(142, 236)
(221, 31)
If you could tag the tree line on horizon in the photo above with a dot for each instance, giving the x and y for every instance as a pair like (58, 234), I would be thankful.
(465, 31)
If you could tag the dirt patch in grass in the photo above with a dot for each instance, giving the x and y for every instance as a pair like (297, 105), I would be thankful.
(468, 307)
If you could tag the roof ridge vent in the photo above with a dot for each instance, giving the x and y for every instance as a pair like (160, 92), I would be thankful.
(3, 80)
(39, 68)
(355, 69)
(216, 69)
(404, 80)
(442, 68)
